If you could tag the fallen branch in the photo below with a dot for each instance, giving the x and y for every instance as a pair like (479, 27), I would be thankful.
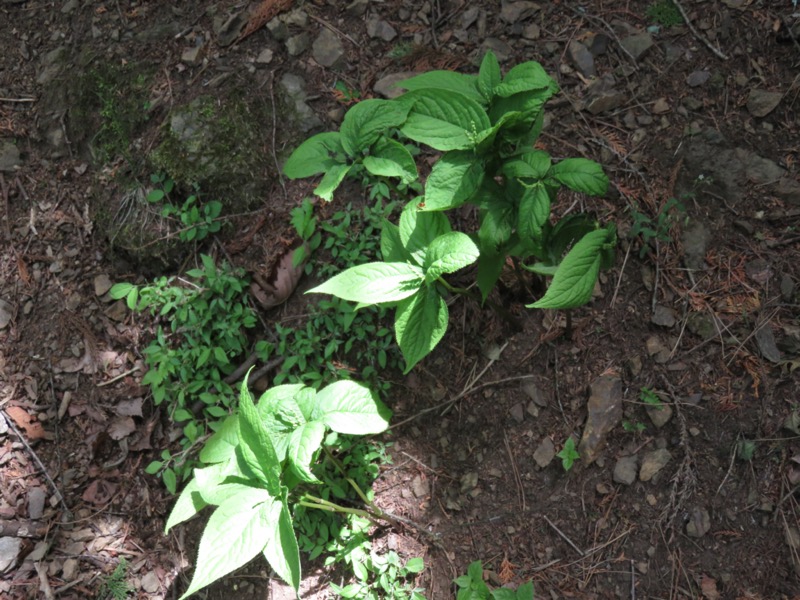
(26, 529)
(696, 33)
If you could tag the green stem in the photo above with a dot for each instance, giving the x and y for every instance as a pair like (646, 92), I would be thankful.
(352, 482)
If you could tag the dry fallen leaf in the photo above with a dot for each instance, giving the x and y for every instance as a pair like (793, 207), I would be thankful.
(99, 492)
(121, 427)
(283, 280)
(129, 408)
(708, 587)
(33, 429)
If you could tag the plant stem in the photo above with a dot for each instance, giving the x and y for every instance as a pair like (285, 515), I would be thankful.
(499, 310)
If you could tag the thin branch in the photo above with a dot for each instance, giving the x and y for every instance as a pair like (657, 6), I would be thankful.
(696, 33)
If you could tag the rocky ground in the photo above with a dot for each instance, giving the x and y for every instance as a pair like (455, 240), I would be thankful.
(696, 497)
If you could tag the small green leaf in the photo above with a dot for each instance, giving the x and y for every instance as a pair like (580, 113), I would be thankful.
(415, 565)
(314, 156)
(568, 454)
(374, 283)
(574, 280)
(154, 467)
(531, 165)
(525, 77)
(304, 442)
(444, 120)
(581, 175)
(490, 265)
(352, 408)
(454, 179)
(133, 296)
(170, 480)
(389, 158)
(525, 591)
(448, 253)
(420, 323)
(418, 229)
(332, 179)
(489, 76)
(120, 290)
(366, 121)
(534, 214)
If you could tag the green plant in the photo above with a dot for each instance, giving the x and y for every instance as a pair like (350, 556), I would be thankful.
(652, 231)
(485, 126)
(664, 12)
(568, 454)
(345, 94)
(114, 586)
(383, 576)
(189, 358)
(633, 426)
(473, 587)
(650, 397)
(261, 463)
(197, 220)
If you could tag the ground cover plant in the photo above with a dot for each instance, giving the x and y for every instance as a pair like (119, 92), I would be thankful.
(485, 127)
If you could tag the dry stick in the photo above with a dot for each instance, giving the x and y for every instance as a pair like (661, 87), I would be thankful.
(17, 99)
(324, 23)
(27, 529)
(697, 33)
(619, 279)
(563, 536)
(36, 458)
(515, 470)
(118, 377)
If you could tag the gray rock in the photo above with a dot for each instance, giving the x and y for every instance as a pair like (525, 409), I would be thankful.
(788, 189)
(787, 288)
(469, 17)
(501, 49)
(294, 87)
(295, 18)
(10, 549)
(602, 96)
(637, 44)
(10, 160)
(515, 12)
(534, 393)
(697, 78)
(421, 487)
(625, 470)
(357, 8)
(52, 64)
(517, 412)
(192, 56)
(761, 102)
(531, 32)
(327, 50)
(545, 453)
(659, 415)
(699, 523)
(653, 462)
(69, 7)
(278, 29)
(297, 44)
(757, 169)
(604, 413)
(70, 569)
(387, 86)
(229, 30)
(151, 583)
(766, 344)
(265, 56)
(36, 499)
(582, 59)
(695, 239)
(702, 325)
(6, 312)
(664, 316)
(378, 28)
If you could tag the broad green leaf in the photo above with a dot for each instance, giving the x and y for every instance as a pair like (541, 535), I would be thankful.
(444, 120)
(389, 158)
(235, 533)
(454, 179)
(351, 407)
(189, 503)
(490, 265)
(443, 80)
(374, 283)
(281, 550)
(332, 179)
(489, 76)
(531, 165)
(527, 104)
(525, 591)
(418, 229)
(566, 232)
(255, 444)
(366, 121)
(534, 214)
(574, 280)
(420, 323)
(448, 253)
(415, 565)
(497, 223)
(306, 400)
(303, 444)
(525, 77)
(314, 156)
(275, 396)
(120, 290)
(581, 175)
(209, 480)
(392, 249)
(504, 594)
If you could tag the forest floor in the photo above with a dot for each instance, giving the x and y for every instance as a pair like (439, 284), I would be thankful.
(695, 497)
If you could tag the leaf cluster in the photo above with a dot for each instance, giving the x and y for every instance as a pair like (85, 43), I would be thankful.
(197, 220)
(472, 587)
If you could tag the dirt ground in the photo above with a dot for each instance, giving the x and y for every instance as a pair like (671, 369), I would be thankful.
(696, 499)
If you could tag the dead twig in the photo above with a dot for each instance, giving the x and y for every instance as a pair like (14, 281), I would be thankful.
(696, 33)
(563, 536)
(515, 470)
(26, 529)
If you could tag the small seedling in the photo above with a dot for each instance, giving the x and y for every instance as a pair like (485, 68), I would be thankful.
(569, 454)
(633, 426)
(664, 12)
(197, 219)
(114, 586)
(650, 397)
(652, 231)
(745, 450)
(473, 587)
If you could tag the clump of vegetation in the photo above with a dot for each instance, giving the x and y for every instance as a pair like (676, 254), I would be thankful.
(664, 12)
(471, 586)
(656, 229)
(114, 586)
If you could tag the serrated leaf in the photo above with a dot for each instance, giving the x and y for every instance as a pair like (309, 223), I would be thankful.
(420, 323)
(448, 253)
(392, 249)
(574, 280)
(374, 283)
(581, 175)
(531, 165)
(255, 444)
(389, 158)
(222, 445)
(352, 408)
(497, 223)
(304, 442)
(418, 229)
(489, 76)
(454, 179)
(281, 550)
(366, 121)
(189, 503)
(314, 156)
(533, 215)
(443, 80)
(490, 265)
(444, 120)
(525, 77)
(332, 179)
(235, 534)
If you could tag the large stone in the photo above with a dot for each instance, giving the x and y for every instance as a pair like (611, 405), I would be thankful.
(653, 462)
(625, 470)
(582, 58)
(637, 44)
(378, 28)
(604, 413)
(695, 239)
(10, 159)
(327, 49)
(10, 549)
(761, 102)
(515, 12)
(545, 453)
(295, 89)
(387, 86)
